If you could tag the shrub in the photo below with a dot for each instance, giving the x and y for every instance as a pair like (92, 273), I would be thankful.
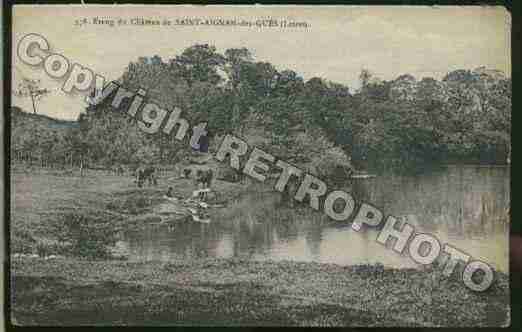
(89, 234)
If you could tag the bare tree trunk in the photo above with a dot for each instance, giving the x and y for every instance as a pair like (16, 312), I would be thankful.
(34, 104)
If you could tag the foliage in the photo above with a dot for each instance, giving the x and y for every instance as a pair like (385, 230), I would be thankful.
(89, 235)
(401, 125)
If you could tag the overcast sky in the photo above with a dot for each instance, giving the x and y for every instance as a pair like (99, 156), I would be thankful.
(340, 41)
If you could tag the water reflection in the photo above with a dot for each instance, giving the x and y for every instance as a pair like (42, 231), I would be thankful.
(466, 206)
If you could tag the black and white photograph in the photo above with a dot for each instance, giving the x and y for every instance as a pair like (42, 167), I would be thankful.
(312, 166)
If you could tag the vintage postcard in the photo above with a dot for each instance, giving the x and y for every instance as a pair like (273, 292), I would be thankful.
(260, 165)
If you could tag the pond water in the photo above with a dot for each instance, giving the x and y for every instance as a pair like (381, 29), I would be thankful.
(465, 206)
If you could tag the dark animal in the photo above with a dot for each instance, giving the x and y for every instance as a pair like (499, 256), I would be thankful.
(231, 175)
(204, 177)
(186, 172)
(146, 174)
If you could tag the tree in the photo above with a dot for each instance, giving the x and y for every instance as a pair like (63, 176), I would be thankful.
(30, 88)
(364, 77)
(200, 63)
(235, 58)
(400, 124)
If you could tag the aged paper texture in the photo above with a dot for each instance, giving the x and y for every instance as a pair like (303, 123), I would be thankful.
(260, 165)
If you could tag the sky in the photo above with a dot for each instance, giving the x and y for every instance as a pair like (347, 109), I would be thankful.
(338, 42)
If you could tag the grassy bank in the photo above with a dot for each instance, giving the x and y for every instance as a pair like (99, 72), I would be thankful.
(62, 214)
(238, 292)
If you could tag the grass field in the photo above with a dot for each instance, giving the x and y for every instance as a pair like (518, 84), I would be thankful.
(39, 200)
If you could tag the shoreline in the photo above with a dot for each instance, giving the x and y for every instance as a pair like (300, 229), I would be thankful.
(70, 291)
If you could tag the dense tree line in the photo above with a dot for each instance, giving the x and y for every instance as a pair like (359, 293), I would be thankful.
(404, 124)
